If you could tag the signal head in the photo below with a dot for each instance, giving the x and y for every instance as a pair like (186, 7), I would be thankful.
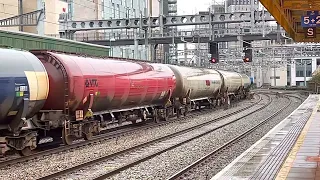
(246, 59)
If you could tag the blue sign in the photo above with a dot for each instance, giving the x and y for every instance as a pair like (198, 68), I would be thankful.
(310, 21)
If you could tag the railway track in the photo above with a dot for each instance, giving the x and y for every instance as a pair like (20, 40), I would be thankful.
(118, 161)
(190, 170)
(115, 134)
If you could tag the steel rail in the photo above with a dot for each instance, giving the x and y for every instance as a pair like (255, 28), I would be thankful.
(111, 135)
(202, 161)
(123, 152)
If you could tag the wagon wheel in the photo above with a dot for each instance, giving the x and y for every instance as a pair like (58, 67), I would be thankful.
(88, 136)
(156, 119)
(219, 100)
(143, 115)
(66, 139)
(25, 151)
(178, 113)
(186, 110)
(211, 105)
(120, 119)
(165, 115)
(155, 116)
(88, 133)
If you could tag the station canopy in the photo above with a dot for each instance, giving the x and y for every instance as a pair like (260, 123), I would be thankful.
(300, 18)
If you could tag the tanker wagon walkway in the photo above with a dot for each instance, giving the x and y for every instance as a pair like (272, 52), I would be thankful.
(291, 150)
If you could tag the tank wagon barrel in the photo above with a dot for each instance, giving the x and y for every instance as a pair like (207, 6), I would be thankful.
(246, 81)
(23, 91)
(195, 87)
(49, 94)
(235, 85)
(101, 88)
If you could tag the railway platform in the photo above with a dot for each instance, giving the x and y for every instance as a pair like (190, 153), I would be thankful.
(291, 150)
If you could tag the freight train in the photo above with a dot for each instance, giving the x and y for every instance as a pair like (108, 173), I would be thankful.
(68, 96)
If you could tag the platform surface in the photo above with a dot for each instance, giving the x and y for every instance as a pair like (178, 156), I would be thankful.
(291, 150)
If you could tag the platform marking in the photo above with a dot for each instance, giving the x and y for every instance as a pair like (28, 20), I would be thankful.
(258, 144)
(285, 169)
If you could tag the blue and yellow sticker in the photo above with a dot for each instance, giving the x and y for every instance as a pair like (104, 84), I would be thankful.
(19, 94)
(20, 90)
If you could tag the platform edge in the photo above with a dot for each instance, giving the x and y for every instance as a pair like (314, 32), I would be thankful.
(224, 170)
(288, 162)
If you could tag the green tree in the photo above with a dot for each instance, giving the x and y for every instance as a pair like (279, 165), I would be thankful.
(315, 78)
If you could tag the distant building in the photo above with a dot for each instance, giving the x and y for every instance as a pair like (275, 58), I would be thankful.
(240, 6)
(81, 10)
(301, 67)
(170, 50)
(202, 52)
(47, 25)
(8, 9)
(120, 9)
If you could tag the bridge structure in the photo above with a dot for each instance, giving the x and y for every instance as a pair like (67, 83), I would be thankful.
(299, 18)
(182, 36)
(152, 31)
(162, 36)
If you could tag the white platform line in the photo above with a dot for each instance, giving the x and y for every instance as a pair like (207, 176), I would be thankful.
(282, 123)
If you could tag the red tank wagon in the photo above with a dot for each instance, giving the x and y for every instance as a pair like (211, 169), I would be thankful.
(107, 89)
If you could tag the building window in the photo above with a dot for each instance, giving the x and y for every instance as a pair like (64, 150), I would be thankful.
(272, 77)
(118, 10)
(299, 74)
(302, 66)
(70, 10)
(113, 11)
(309, 73)
(102, 5)
(318, 62)
(299, 83)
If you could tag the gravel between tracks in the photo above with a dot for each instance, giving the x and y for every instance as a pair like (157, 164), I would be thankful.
(56, 162)
(168, 163)
(237, 149)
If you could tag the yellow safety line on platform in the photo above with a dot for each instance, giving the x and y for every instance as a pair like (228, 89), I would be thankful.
(285, 169)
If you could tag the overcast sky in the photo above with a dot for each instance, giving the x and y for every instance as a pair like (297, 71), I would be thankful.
(194, 6)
